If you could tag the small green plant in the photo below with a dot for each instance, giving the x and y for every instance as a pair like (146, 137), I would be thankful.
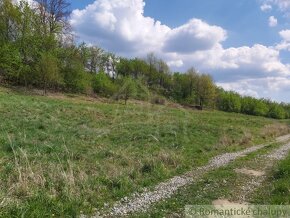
(128, 89)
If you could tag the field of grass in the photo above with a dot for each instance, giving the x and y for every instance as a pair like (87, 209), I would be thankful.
(65, 154)
(276, 190)
(225, 183)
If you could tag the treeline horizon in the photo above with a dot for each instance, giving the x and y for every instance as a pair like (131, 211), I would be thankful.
(37, 50)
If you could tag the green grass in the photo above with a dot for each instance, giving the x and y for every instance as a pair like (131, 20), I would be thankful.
(221, 183)
(276, 190)
(65, 154)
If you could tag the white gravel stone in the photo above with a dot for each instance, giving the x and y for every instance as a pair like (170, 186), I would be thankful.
(280, 153)
(140, 202)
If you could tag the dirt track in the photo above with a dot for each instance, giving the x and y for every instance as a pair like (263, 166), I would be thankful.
(140, 202)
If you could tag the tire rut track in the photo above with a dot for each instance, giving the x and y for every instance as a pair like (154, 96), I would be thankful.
(141, 202)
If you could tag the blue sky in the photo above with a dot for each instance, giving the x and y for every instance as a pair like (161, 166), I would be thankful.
(243, 44)
(232, 15)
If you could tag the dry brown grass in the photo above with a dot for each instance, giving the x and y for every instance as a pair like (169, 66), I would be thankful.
(158, 100)
(274, 130)
(168, 158)
(246, 138)
(29, 175)
(225, 140)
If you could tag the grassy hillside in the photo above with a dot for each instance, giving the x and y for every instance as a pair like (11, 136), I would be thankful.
(276, 189)
(65, 154)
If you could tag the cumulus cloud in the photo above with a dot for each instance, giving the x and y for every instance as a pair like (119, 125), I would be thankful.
(285, 34)
(273, 21)
(285, 43)
(277, 88)
(238, 63)
(194, 36)
(282, 5)
(177, 63)
(121, 26)
(266, 7)
(244, 87)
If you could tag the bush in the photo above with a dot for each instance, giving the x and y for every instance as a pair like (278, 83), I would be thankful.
(76, 79)
(229, 102)
(254, 106)
(143, 93)
(248, 106)
(86, 83)
(260, 108)
(49, 73)
(276, 111)
(103, 85)
(158, 100)
(128, 89)
(10, 62)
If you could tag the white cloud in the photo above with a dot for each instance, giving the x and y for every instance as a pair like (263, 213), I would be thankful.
(282, 5)
(273, 21)
(266, 7)
(120, 26)
(285, 34)
(31, 3)
(178, 63)
(285, 43)
(194, 36)
(243, 62)
(270, 87)
(244, 87)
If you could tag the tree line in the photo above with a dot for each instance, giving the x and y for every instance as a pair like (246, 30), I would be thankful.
(37, 49)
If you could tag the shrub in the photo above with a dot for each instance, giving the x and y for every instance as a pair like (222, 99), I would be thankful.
(143, 93)
(49, 73)
(128, 89)
(229, 102)
(276, 111)
(103, 85)
(254, 106)
(76, 79)
(260, 108)
(158, 100)
(10, 62)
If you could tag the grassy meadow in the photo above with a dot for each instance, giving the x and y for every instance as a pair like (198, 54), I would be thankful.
(276, 189)
(63, 154)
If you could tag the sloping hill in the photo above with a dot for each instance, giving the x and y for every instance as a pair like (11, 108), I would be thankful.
(65, 154)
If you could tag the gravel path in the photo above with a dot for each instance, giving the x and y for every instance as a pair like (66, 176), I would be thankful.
(283, 138)
(140, 202)
(280, 153)
(268, 162)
